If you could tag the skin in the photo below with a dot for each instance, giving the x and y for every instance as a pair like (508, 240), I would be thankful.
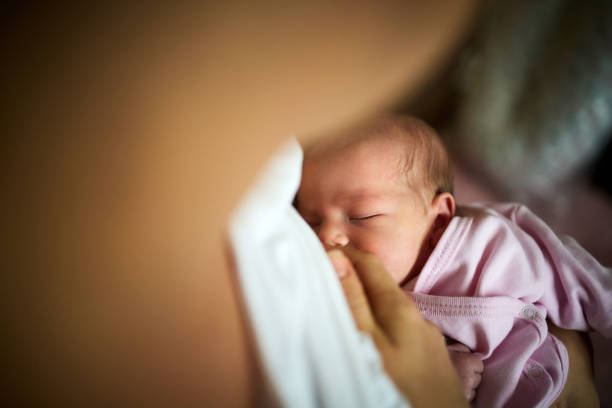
(358, 197)
(469, 367)
(384, 312)
(580, 388)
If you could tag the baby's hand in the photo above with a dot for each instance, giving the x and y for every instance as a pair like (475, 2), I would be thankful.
(468, 365)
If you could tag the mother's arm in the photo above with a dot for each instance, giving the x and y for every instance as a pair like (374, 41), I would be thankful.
(580, 388)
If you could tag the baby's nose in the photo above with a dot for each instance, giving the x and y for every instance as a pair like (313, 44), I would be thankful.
(332, 234)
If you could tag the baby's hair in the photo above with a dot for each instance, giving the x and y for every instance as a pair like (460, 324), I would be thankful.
(423, 152)
(424, 163)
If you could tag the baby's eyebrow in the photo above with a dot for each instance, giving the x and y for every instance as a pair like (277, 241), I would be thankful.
(361, 195)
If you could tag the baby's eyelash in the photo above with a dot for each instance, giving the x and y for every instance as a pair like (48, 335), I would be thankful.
(367, 217)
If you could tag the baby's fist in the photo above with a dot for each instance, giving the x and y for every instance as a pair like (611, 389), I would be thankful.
(468, 365)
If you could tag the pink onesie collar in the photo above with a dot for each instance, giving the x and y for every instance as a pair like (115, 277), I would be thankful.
(445, 250)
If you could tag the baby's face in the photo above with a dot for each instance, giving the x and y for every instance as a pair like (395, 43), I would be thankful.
(357, 198)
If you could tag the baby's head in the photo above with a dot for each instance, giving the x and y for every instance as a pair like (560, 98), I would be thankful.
(385, 188)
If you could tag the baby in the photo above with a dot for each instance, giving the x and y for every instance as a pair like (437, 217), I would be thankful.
(487, 275)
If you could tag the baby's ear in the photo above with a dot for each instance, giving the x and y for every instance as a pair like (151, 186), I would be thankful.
(443, 209)
(444, 204)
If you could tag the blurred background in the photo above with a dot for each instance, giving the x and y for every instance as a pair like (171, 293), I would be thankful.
(525, 106)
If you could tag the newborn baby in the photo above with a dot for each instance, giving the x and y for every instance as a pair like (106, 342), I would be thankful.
(488, 276)
(372, 190)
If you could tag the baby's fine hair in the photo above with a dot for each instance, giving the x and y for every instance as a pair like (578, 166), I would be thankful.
(424, 162)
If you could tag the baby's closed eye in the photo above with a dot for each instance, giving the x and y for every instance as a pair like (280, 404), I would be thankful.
(363, 218)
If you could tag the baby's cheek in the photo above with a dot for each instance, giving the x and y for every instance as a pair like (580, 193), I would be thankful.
(369, 243)
(392, 257)
(398, 262)
(389, 259)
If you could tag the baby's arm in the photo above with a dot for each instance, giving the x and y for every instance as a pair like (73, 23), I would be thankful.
(469, 367)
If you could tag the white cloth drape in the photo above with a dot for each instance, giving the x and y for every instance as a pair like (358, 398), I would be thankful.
(310, 349)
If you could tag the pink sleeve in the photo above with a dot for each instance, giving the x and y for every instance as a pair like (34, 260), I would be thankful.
(579, 294)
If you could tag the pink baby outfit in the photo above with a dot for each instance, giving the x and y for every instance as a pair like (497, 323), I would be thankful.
(495, 276)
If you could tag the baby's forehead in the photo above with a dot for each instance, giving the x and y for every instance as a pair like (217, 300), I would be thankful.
(380, 152)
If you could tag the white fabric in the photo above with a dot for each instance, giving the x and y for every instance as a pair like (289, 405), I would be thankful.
(311, 351)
